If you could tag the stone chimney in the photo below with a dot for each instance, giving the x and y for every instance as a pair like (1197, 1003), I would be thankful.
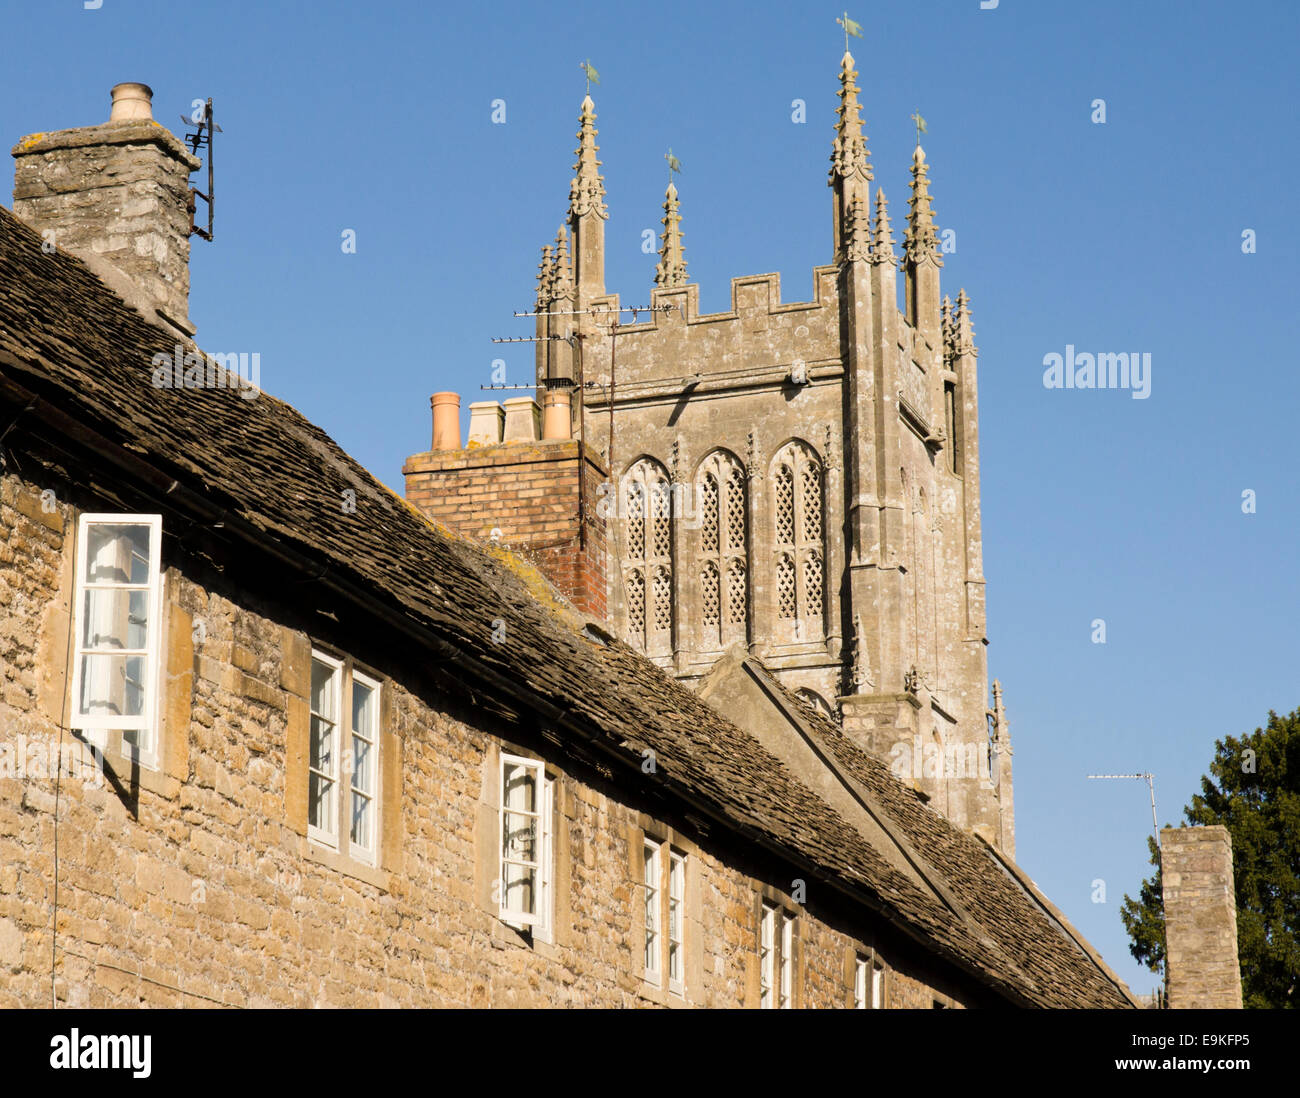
(117, 196)
(1200, 918)
(522, 483)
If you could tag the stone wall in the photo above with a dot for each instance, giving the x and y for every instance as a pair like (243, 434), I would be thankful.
(195, 885)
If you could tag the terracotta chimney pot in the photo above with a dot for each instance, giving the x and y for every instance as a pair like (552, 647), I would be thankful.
(446, 421)
(555, 414)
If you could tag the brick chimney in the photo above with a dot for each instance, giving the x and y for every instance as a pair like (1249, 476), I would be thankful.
(117, 196)
(519, 490)
(1200, 918)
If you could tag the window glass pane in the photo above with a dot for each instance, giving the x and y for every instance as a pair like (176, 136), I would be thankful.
(363, 710)
(112, 683)
(117, 553)
(323, 691)
(115, 618)
(321, 753)
(518, 886)
(362, 818)
(363, 766)
(320, 802)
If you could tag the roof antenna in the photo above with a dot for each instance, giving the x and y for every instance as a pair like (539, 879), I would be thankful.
(202, 136)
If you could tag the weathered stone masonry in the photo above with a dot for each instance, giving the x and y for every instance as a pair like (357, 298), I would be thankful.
(200, 878)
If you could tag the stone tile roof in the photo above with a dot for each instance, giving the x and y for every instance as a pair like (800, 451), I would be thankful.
(65, 337)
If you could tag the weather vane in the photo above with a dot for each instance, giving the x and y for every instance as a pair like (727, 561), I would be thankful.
(920, 125)
(674, 165)
(593, 77)
(850, 27)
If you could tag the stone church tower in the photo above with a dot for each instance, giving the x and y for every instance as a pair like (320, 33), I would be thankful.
(799, 480)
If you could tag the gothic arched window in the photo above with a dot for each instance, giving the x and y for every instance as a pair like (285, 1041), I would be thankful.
(648, 561)
(800, 541)
(723, 547)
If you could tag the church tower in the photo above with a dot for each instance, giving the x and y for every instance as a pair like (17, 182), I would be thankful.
(798, 481)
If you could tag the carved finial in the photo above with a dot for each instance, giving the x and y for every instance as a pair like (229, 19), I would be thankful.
(922, 237)
(830, 452)
(1001, 730)
(850, 156)
(963, 327)
(587, 191)
(562, 271)
(883, 249)
(857, 232)
(671, 270)
(545, 275)
(753, 459)
(946, 328)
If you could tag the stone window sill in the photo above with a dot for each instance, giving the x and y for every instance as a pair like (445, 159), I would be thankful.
(133, 775)
(349, 867)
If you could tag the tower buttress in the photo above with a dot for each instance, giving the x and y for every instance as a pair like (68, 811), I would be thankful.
(850, 175)
(1002, 775)
(964, 359)
(883, 710)
(858, 341)
(922, 252)
(886, 602)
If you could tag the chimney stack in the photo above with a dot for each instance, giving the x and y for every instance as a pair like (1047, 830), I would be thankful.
(116, 195)
(539, 497)
(1201, 964)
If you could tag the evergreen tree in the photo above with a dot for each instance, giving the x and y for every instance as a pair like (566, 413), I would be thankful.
(1253, 789)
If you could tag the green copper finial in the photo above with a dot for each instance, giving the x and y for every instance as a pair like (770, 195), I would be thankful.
(593, 77)
(920, 125)
(850, 27)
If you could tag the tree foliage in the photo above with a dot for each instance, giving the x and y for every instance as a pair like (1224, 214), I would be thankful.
(1253, 789)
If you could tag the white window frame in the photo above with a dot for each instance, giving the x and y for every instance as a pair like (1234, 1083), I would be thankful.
(98, 726)
(767, 970)
(325, 836)
(775, 957)
(539, 921)
(368, 852)
(339, 837)
(652, 885)
(877, 986)
(785, 996)
(675, 936)
(860, 968)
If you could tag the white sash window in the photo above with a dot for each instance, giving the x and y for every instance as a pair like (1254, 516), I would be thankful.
(117, 606)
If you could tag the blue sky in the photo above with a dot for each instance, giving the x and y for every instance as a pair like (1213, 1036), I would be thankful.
(1123, 236)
